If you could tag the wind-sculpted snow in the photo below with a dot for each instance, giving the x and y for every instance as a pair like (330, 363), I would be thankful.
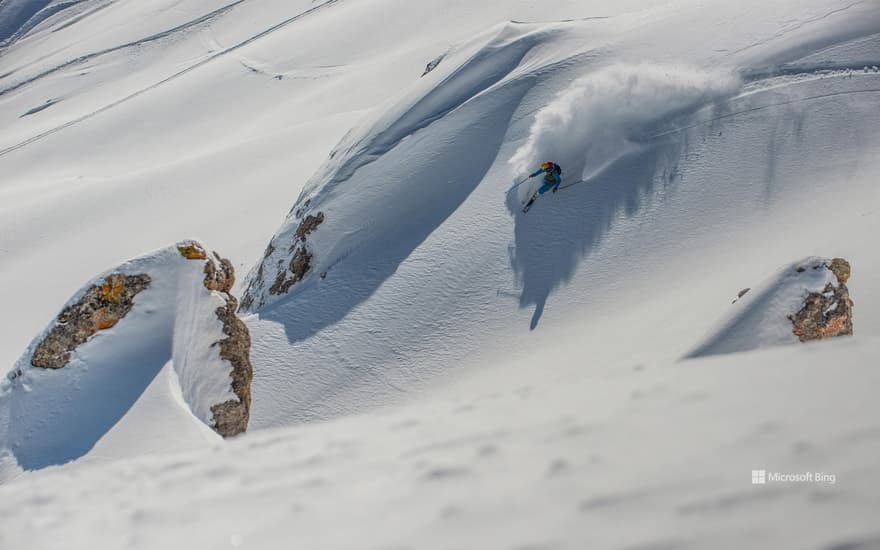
(594, 122)
(427, 342)
(763, 316)
(375, 165)
(149, 327)
(420, 258)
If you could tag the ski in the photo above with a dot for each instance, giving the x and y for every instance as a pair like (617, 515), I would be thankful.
(529, 204)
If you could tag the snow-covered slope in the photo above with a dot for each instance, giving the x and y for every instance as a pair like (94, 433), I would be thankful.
(147, 329)
(643, 455)
(161, 109)
(762, 315)
(434, 368)
(422, 265)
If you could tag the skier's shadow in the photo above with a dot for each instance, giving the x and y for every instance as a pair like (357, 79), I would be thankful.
(562, 229)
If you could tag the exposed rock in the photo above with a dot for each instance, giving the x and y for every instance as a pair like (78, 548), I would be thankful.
(99, 309)
(300, 264)
(841, 269)
(70, 386)
(828, 313)
(231, 417)
(286, 262)
(247, 301)
(191, 250)
(309, 225)
(300, 261)
(741, 293)
(433, 64)
(219, 274)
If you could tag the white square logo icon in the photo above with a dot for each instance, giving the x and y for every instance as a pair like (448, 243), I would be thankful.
(759, 477)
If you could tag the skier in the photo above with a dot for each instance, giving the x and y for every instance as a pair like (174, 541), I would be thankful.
(552, 178)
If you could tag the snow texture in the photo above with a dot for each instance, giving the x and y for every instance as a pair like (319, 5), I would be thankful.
(53, 416)
(602, 117)
(450, 373)
(761, 317)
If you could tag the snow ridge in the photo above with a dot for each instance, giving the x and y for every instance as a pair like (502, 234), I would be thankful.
(53, 415)
(760, 318)
(476, 71)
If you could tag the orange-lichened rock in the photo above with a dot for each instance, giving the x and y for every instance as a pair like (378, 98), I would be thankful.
(828, 313)
(100, 308)
(191, 250)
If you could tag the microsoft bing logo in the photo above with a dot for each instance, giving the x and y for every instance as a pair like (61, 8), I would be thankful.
(763, 477)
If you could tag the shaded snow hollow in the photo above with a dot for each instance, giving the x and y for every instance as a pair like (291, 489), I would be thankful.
(53, 415)
(762, 317)
(441, 371)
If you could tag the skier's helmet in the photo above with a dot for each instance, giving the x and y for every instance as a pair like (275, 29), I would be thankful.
(547, 166)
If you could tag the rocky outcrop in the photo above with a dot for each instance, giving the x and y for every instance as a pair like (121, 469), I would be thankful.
(828, 313)
(191, 250)
(740, 294)
(231, 417)
(433, 64)
(100, 308)
(257, 281)
(164, 321)
(803, 301)
(300, 264)
(219, 274)
(290, 271)
(841, 269)
(309, 225)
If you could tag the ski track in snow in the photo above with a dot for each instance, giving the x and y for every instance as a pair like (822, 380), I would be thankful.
(175, 76)
(769, 83)
(799, 25)
(357, 269)
(468, 377)
(189, 25)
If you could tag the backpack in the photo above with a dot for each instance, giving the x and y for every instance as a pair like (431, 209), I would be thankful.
(554, 168)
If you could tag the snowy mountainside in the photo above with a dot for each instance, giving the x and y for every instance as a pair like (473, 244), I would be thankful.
(547, 462)
(436, 369)
(152, 318)
(412, 270)
(160, 113)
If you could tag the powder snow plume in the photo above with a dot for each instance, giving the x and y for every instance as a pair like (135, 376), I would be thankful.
(591, 124)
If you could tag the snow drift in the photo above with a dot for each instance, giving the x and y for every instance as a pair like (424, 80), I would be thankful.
(765, 315)
(407, 285)
(88, 368)
(468, 98)
(401, 256)
(599, 119)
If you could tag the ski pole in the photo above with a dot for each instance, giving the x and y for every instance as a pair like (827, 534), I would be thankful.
(517, 184)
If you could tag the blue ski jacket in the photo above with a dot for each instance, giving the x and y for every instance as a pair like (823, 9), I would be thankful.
(551, 180)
